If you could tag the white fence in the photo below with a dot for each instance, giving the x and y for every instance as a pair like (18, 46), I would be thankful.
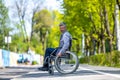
(1, 60)
(13, 58)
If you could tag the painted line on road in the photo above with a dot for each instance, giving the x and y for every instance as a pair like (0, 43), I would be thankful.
(112, 75)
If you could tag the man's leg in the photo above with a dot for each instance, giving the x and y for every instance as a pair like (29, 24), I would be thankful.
(47, 54)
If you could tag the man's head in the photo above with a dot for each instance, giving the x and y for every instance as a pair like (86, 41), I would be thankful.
(62, 27)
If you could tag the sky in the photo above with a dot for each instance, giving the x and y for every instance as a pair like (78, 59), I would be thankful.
(49, 4)
(52, 4)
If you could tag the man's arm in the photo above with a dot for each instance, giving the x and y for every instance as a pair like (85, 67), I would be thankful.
(66, 44)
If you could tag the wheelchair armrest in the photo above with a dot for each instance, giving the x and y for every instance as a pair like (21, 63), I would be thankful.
(74, 39)
(58, 47)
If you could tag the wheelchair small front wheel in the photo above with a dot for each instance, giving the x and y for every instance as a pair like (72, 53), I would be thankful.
(51, 71)
(50, 68)
(67, 64)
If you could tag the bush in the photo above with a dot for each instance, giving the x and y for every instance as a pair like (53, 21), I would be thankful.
(34, 62)
(108, 59)
(116, 59)
(84, 60)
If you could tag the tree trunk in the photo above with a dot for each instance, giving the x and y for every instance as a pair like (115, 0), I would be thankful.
(32, 24)
(21, 9)
(43, 43)
(101, 43)
(113, 33)
(118, 3)
(117, 27)
(107, 27)
(83, 44)
(94, 46)
(94, 32)
(103, 46)
(86, 46)
(99, 48)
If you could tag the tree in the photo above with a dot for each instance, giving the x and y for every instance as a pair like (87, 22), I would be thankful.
(4, 23)
(23, 12)
(116, 21)
(54, 33)
(42, 23)
(94, 19)
(35, 9)
(21, 6)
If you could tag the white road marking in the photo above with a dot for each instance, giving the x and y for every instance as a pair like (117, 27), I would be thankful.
(112, 75)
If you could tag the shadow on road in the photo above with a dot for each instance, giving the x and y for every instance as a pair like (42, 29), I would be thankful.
(77, 73)
(56, 74)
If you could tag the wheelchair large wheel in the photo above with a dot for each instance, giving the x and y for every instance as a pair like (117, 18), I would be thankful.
(67, 63)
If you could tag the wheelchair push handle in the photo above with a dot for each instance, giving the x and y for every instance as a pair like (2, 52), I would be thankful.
(74, 39)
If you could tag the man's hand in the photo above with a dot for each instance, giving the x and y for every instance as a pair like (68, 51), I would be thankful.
(59, 54)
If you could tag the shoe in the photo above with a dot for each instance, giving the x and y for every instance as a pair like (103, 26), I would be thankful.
(43, 68)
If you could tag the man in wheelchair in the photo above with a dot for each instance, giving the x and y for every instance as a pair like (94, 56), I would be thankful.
(64, 44)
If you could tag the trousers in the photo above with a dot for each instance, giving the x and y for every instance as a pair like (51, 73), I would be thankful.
(48, 52)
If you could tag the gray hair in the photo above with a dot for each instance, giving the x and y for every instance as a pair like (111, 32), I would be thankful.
(62, 24)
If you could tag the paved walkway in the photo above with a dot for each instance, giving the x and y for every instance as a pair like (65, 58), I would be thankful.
(84, 72)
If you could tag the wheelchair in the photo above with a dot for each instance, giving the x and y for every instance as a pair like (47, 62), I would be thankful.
(65, 64)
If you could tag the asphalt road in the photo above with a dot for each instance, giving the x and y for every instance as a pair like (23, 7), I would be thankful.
(84, 72)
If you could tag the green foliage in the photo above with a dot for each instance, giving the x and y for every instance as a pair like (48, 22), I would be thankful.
(42, 20)
(53, 38)
(109, 59)
(116, 58)
(39, 48)
(34, 62)
(44, 31)
(88, 17)
(4, 24)
(84, 60)
(18, 43)
(41, 27)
